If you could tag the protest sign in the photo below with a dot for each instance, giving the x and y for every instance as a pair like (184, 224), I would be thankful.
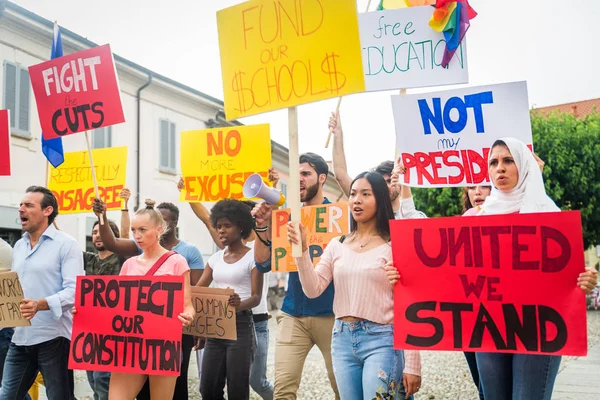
(281, 54)
(73, 185)
(11, 294)
(128, 324)
(77, 92)
(322, 223)
(444, 137)
(215, 163)
(503, 283)
(4, 143)
(400, 51)
(215, 318)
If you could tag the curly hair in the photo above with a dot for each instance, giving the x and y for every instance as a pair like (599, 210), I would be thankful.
(235, 211)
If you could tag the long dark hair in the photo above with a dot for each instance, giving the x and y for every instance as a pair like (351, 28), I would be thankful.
(385, 212)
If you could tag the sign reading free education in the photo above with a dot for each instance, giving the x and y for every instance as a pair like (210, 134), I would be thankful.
(78, 92)
(128, 324)
(216, 162)
(279, 54)
(401, 51)
(444, 138)
(322, 223)
(502, 283)
(73, 185)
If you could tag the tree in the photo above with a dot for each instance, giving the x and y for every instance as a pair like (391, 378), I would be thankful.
(570, 147)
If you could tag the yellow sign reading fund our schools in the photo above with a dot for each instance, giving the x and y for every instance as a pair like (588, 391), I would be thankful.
(215, 163)
(73, 185)
(278, 54)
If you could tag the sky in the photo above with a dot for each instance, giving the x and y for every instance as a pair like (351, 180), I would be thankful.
(548, 43)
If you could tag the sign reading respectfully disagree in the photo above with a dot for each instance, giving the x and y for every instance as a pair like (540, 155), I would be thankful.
(128, 324)
(215, 317)
(401, 51)
(73, 185)
(322, 223)
(502, 283)
(444, 138)
(279, 54)
(11, 294)
(215, 163)
(4, 142)
(78, 92)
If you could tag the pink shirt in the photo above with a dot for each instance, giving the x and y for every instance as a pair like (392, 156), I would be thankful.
(175, 265)
(357, 277)
(471, 212)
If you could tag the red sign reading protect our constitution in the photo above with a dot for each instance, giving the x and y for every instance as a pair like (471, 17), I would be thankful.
(77, 92)
(504, 283)
(4, 143)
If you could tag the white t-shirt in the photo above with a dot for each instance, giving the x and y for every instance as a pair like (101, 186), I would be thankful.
(5, 255)
(237, 276)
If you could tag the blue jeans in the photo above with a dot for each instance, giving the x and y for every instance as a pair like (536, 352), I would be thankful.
(99, 382)
(364, 360)
(517, 376)
(5, 338)
(22, 364)
(258, 370)
(472, 363)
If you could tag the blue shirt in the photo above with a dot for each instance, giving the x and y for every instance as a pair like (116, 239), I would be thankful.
(297, 304)
(190, 253)
(48, 271)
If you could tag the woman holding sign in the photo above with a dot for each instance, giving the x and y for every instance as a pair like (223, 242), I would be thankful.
(364, 360)
(519, 188)
(147, 226)
(233, 267)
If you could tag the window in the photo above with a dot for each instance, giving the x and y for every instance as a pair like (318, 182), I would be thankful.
(167, 146)
(102, 138)
(16, 97)
(283, 188)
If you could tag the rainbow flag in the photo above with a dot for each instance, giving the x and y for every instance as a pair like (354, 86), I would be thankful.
(452, 17)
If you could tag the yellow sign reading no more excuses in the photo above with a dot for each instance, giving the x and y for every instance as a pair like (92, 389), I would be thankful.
(215, 163)
(279, 54)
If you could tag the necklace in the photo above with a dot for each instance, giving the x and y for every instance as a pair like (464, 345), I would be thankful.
(362, 246)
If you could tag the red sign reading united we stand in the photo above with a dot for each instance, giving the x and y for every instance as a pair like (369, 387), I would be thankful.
(505, 283)
(77, 92)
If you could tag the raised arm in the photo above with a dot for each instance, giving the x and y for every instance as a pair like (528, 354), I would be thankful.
(339, 156)
(262, 251)
(203, 215)
(125, 220)
(122, 247)
(407, 204)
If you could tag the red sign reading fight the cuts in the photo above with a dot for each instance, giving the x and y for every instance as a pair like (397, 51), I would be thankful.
(4, 143)
(504, 283)
(128, 324)
(77, 92)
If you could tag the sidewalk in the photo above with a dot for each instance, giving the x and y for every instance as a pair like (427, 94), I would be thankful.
(580, 379)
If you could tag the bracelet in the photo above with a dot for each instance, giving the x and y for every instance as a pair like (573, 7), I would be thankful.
(125, 209)
(257, 229)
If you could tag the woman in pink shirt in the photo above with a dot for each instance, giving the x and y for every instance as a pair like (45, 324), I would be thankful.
(147, 226)
(365, 363)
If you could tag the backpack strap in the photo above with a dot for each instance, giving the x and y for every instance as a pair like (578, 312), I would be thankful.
(159, 263)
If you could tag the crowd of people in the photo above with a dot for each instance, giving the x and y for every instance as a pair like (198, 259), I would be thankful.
(323, 304)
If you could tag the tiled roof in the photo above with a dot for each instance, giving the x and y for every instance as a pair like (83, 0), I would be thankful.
(577, 108)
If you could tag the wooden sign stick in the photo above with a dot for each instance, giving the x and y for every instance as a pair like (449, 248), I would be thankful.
(89, 148)
(337, 109)
(294, 180)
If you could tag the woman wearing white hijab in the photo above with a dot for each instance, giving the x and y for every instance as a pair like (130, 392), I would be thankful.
(518, 187)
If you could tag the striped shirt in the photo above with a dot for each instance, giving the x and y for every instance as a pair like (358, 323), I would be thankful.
(357, 276)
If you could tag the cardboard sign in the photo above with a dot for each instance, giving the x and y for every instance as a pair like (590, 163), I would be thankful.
(11, 294)
(503, 283)
(73, 185)
(400, 51)
(4, 142)
(281, 54)
(322, 223)
(78, 92)
(444, 138)
(128, 324)
(215, 318)
(215, 163)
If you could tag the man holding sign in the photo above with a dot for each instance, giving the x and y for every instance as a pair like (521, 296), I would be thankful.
(48, 262)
